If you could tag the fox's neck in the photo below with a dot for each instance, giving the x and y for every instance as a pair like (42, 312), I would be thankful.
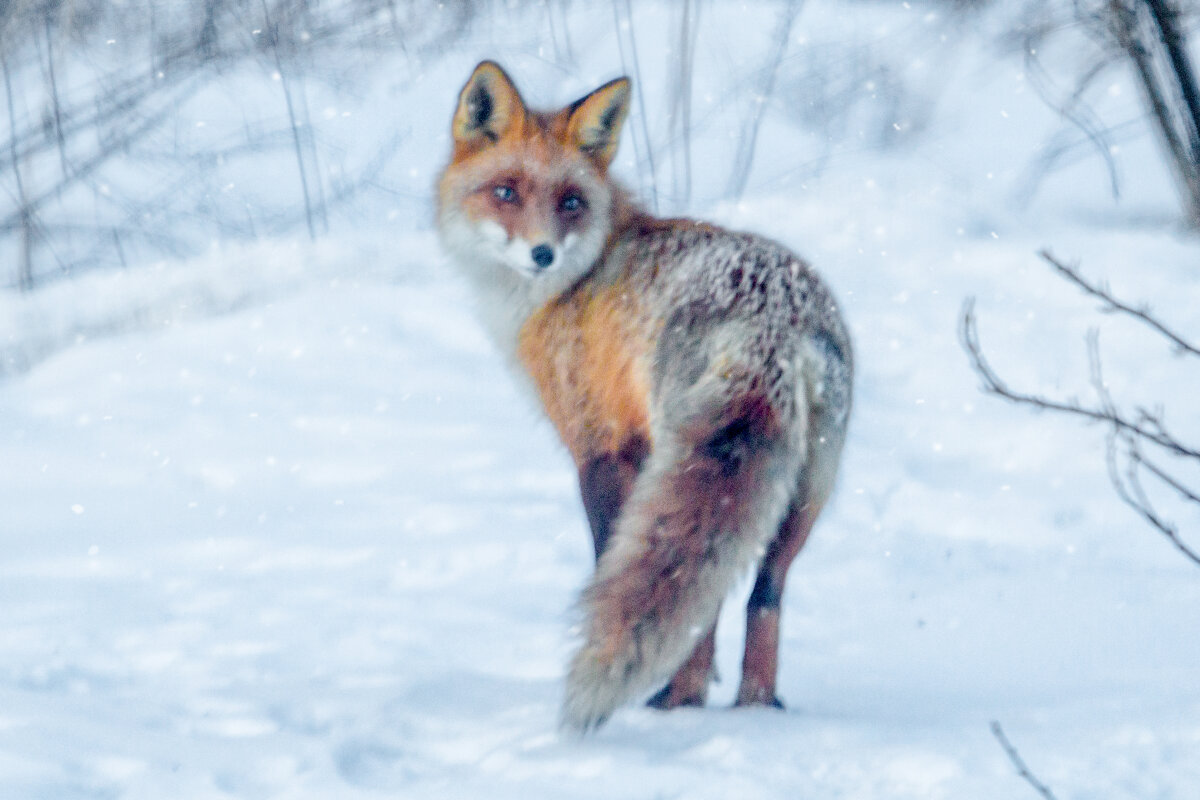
(505, 302)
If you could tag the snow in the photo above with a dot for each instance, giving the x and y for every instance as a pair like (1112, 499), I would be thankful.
(278, 522)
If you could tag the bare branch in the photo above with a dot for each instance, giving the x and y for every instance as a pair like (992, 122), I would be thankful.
(679, 115)
(1113, 304)
(1129, 488)
(1074, 109)
(969, 336)
(1166, 18)
(1127, 434)
(1022, 769)
(748, 143)
(82, 171)
(271, 32)
(1158, 472)
(25, 212)
(623, 14)
(1183, 160)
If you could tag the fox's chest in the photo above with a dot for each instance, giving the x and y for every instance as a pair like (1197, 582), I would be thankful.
(589, 358)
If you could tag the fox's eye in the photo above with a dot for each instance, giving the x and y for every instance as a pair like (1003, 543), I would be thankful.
(571, 203)
(504, 193)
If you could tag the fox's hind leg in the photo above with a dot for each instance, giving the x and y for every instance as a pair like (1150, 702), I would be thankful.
(826, 435)
(760, 662)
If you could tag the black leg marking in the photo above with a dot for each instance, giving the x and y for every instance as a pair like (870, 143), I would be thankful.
(767, 592)
(605, 482)
(600, 483)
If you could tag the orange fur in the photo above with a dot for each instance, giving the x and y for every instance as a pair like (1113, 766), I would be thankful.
(587, 355)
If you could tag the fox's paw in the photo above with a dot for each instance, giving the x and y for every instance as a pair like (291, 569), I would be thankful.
(758, 697)
(671, 697)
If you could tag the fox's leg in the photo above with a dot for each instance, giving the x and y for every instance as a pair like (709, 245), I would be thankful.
(605, 482)
(689, 686)
(762, 611)
(706, 501)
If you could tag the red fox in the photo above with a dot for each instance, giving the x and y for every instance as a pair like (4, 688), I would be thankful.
(700, 378)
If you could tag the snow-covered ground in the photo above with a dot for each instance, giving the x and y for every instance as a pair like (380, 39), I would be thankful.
(276, 522)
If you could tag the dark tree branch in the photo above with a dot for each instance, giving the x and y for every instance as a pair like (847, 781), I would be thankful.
(1111, 303)
(1127, 434)
(1019, 763)
(1128, 487)
(1166, 19)
(1184, 155)
(127, 136)
(993, 384)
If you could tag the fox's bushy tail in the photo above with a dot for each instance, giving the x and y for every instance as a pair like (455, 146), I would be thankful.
(702, 511)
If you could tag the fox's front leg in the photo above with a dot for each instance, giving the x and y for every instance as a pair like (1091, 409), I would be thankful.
(605, 481)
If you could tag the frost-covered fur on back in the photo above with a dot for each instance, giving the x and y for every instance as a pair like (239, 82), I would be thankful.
(701, 378)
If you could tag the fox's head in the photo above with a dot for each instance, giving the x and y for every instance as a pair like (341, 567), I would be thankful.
(527, 192)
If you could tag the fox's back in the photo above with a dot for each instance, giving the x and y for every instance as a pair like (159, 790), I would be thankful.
(741, 299)
(750, 294)
(673, 303)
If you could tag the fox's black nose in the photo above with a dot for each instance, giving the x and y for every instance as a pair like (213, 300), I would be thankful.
(542, 255)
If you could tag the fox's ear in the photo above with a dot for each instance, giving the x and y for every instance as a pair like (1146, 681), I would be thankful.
(596, 120)
(488, 106)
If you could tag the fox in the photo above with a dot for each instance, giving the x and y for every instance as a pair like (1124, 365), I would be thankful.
(700, 378)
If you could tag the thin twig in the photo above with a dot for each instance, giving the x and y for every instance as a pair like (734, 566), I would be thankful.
(58, 122)
(1113, 304)
(748, 143)
(1074, 109)
(969, 335)
(1129, 488)
(1147, 427)
(625, 30)
(273, 40)
(1162, 475)
(1019, 763)
(25, 212)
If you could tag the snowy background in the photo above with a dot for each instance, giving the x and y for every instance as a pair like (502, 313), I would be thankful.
(277, 524)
